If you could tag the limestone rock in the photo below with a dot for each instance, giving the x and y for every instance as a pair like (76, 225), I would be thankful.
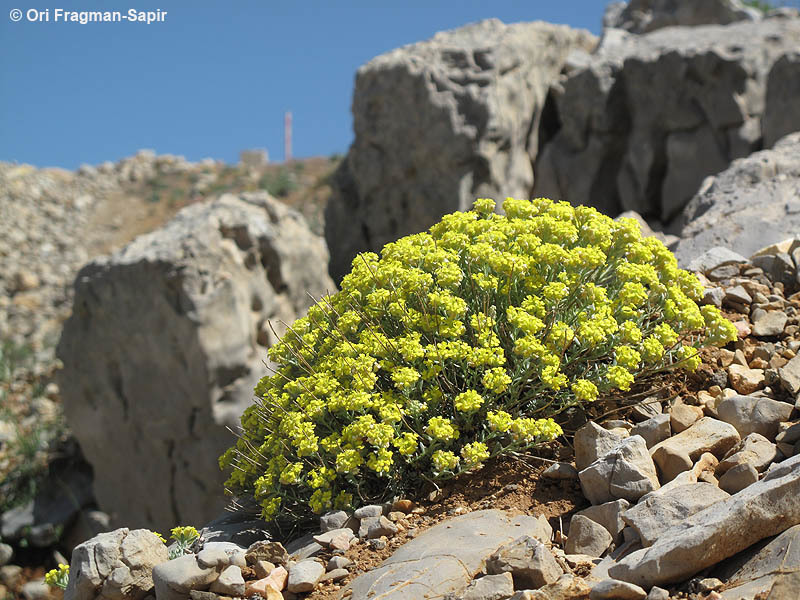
(303, 576)
(643, 16)
(609, 515)
(737, 478)
(781, 112)
(755, 570)
(230, 582)
(612, 589)
(626, 472)
(789, 376)
(528, 560)
(679, 452)
(175, 578)
(654, 430)
(587, 537)
(656, 513)
(771, 324)
(749, 414)
(682, 416)
(116, 564)
(752, 203)
(634, 134)
(490, 587)
(745, 380)
(763, 509)
(567, 587)
(754, 449)
(593, 442)
(445, 558)
(182, 305)
(440, 123)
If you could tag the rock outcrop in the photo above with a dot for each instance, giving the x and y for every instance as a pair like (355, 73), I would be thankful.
(439, 123)
(166, 341)
(643, 16)
(651, 116)
(753, 203)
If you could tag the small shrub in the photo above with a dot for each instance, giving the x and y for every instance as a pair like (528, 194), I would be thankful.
(58, 577)
(458, 345)
(279, 184)
(184, 537)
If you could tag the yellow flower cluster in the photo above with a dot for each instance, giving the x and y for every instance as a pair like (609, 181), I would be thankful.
(447, 344)
(58, 577)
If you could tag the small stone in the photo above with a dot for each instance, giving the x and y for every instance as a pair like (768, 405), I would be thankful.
(657, 593)
(654, 430)
(737, 295)
(723, 272)
(6, 552)
(754, 449)
(332, 520)
(490, 587)
(24, 281)
(771, 324)
(263, 568)
(717, 256)
(364, 525)
(371, 510)
(609, 515)
(713, 296)
(403, 505)
(377, 543)
(746, 380)
(726, 357)
(709, 584)
(587, 537)
(749, 414)
(35, 590)
(646, 409)
(612, 589)
(528, 560)
(593, 442)
(10, 575)
(625, 472)
(303, 576)
(396, 515)
(213, 558)
(383, 527)
(273, 552)
(334, 575)
(737, 478)
(230, 582)
(329, 536)
(173, 579)
(339, 562)
(560, 471)
(682, 416)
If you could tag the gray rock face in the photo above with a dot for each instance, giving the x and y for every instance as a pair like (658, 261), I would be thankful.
(528, 560)
(175, 578)
(626, 472)
(587, 537)
(751, 204)
(609, 515)
(445, 558)
(593, 442)
(117, 564)
(439, 123)
(782, 113)
(656, 513)
(750, 414)
(650, 117)
(643, 16)
(166, 342)
(763, 509)
(755, 570)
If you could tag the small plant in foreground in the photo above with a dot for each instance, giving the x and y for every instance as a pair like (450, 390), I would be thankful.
(461, 344)
(58, 577)
(184, 538)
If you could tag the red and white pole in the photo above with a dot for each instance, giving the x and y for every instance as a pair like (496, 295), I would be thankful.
(287, 136)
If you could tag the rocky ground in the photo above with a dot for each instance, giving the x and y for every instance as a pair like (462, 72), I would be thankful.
(686, 487)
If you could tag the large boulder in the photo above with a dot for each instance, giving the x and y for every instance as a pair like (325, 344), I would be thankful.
(651, 116)
(439, 123)
(782, 112)
(753, 203)
(643, 16)
(166, 341)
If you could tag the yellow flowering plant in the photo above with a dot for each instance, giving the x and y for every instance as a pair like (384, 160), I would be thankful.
(58, 577)
(460, 344)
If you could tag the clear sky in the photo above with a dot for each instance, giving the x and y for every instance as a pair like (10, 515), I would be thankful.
(214, 77)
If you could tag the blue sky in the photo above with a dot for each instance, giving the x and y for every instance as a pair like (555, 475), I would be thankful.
(214, 77)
